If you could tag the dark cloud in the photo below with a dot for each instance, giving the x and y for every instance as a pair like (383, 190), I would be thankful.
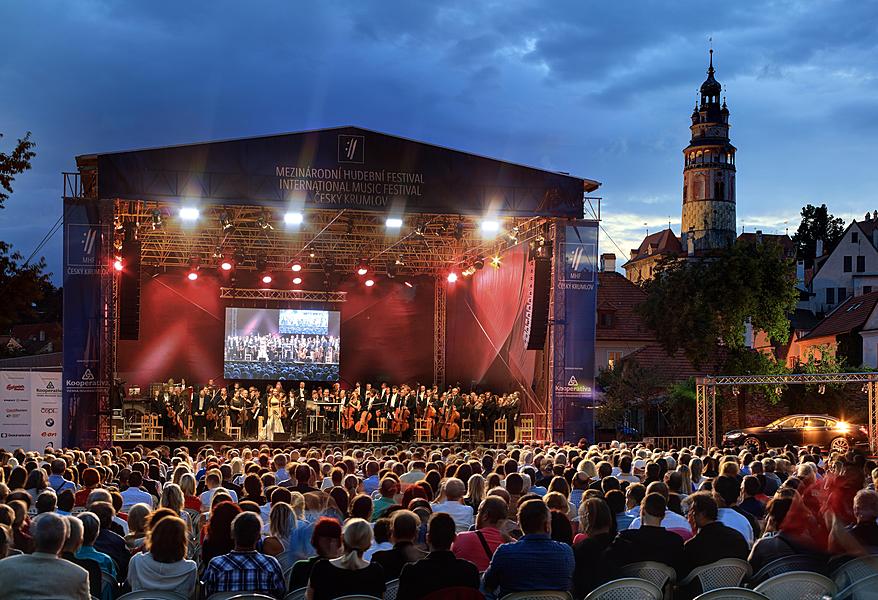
(599, 89)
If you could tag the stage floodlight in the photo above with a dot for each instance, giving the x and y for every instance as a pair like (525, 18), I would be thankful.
(362, 267)
(118, 264)
(513, 234)
(264, 221)
(370, 282)
(393, 222)
(490, 226)
(192, 275)
(156, 216)
(495, 262)
(226, 221)
(420, 229)
(408, 284)
(189, 213)
(296, 267)
(452, 277)
(479, 264)
(468, 272)
(293, 218)
(267, 278)
(226, 265)
(297, 280)
(392, 269)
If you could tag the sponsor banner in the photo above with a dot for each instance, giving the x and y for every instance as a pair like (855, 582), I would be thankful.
(344, 167)
(576, 292)
(30, 410)
(85, 261)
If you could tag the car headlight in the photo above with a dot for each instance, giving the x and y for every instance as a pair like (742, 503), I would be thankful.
(734, 435)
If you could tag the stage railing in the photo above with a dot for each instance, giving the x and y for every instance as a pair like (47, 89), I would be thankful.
(670, 441)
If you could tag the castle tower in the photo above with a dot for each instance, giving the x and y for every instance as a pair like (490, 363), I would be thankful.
(709, 174)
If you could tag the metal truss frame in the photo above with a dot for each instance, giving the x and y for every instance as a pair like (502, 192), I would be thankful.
(705, 397)
(282, 295)
(430, 244)
(557, 330)
(440, 304)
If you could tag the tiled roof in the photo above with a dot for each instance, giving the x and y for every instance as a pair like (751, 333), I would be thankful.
(665, 242)
(849, 315)
(675, 367)
(620, 296)
(789, 248)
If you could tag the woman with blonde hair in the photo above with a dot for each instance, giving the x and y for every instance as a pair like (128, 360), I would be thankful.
(281, 524)
(348, 574)
(188, 486)
(137, 521)
(475, 491)
(588, 467)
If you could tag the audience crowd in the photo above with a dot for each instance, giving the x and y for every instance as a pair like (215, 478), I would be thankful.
(438, 522)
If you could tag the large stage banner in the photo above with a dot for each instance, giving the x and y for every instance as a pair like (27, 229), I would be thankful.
(575, 306)
(31, 410)
(86, 260)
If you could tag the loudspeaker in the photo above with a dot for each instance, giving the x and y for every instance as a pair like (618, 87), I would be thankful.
(539, 306)
(129, 292)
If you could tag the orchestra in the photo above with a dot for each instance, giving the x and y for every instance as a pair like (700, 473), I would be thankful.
(276, 414)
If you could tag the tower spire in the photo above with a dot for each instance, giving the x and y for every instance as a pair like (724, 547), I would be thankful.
(710, 70)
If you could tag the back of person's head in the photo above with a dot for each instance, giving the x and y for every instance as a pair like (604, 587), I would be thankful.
(441, 531)
(104, 512)
(357, 535)
(404, 525)
(303, 474)
(361, 507)
(492, 511)
(454, 489)
(752, 485)
(616, 501)
(703, 505)
(74, 535)
(388, 487)
(533, 517)
(91, 527)
(137, 517)
(636, 492)
(514, 483)
(658, 487)
(557, 502)
(866, 506)
(47, 501)
(49, 533)
(246, 529)
(776, 511)
(326, 533)
(58, 465)
(654, 505)
(66, 500)
(167, 541)
(381, 530)
(728, 489)
(135, 480)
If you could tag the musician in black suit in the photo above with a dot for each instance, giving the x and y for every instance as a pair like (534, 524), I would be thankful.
(200, 405)
(255, 408)
(490, 412)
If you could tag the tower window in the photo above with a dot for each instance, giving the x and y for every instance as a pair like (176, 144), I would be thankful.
(719, 189)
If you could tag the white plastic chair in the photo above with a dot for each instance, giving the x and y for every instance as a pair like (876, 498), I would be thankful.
(654, 572)
(855, 570)
(725, 573)
(238, 596)
(298, 594)
(731, 593)
(391, 589)
(629, 588)
(864, 589)
(801, 585)
(147, 595)
(537, 595)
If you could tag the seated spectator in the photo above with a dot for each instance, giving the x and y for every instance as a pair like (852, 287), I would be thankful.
(218, 537)
(212, 481)
(440, 569)
(777, 541)
(380, 538)
(137, 518)
(648, 542)
(348, 574)
(21, 538)
(596, 525)
(478, 546)
(72, 546)
(549, 564)
(47, 501)
(91, 527)
(727, 490)
(672, 521)
(454, 505)
(616, 501)
(135, 494)
(44, 574)
(57, 481)
(110, 543)
(281, 524)
(244, 569)
(91, 479)
(326, 540)
(164, 568)
(751, 503)
(862, 536)
(713, 540)
(634, 495)
(66, 500)
(36, 482)
(388, 489)
(404, 526)
(188, 486)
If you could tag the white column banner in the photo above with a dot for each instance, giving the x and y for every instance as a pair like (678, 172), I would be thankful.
(45, 415)
(15, 410)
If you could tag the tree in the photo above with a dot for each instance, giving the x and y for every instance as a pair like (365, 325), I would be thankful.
(817, 224)
(625, 387)
(18, 161)
(693, 305)
(22, 287)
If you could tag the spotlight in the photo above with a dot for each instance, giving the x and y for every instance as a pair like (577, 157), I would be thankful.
(370, 282)
(226, 265)
(297, 280)
(226, 221)
(495, 262)
(192, 275)
(469, 271)
(293, 218)
(266, 279)
(189, 213)
(452, 277)
(459, 230)
(156, 219)
(118, 264)
(218, 252)
(362, 267)
(479, 264)
(513, 234)
(264, 221)
(408, 284)
(393, 223)
(490, 226)
(420, 229)
(296, 267)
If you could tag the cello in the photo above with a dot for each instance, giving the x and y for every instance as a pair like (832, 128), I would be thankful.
(450, 429)
(362, 425)
(430, 417)
(347, 416)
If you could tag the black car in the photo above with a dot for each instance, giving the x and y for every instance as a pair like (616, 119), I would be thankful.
(801, 430)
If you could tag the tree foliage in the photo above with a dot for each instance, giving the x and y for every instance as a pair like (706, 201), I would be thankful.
(14, 163)
(692, 305)
(817, 224)
(626, 386)
(22, 287)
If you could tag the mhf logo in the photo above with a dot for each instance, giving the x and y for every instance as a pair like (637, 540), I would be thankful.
(351, 149)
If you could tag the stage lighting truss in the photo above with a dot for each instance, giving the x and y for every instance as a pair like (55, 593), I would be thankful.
(432, 244)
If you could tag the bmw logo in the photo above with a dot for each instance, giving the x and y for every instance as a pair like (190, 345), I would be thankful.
(50, 422)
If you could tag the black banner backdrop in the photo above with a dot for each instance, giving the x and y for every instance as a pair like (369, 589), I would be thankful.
(345, 167)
